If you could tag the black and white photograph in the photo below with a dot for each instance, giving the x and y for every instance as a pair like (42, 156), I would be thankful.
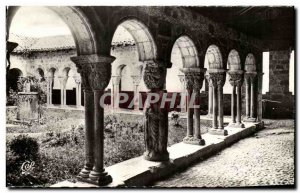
(149, 96)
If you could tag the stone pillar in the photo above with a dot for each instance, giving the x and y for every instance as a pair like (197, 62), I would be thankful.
(63, 92)
(77, 80)
(115, 92)
(183, 94)
(236, 80)
(97, 71)
(84, 71)
(194, 80)
(136, 82)
(156, 116)
(210, 96)
(48, 90)
(250, 97)
(218, 76)
(259, 96)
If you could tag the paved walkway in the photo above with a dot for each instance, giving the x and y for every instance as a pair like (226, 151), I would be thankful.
(265, 159)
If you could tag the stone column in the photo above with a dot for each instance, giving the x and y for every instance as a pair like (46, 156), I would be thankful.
(217, 76)
(61, 81)
(98, 76)
(236, 80)
(183, 94)
(194, 80)
(210, 96)
(259, 96)
(77, 80)
(136, 82)
(250, 97)
(65, 90)
(48, 90)
(156, 116)
(84, 70)
(115, 92)
(247, 88)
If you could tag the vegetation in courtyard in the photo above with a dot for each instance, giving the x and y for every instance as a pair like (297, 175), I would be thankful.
(60, 139)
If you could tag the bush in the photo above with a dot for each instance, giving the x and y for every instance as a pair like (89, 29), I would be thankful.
(25, 147)
(23, 166)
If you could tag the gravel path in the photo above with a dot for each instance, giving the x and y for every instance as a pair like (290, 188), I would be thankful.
(267, 158)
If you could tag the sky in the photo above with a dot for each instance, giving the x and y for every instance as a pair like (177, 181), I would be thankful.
(38, 22)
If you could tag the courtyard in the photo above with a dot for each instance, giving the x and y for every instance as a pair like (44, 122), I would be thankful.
(150, 96)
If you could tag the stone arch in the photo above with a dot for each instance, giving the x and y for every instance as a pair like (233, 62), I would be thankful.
(234, 61)
(188, 51)
(51, 71)
(40, 74)
(77, 22)
(250, 65)
(12, 78)
(65, 71)
(119, 69)
(143, 38)
(214, 57)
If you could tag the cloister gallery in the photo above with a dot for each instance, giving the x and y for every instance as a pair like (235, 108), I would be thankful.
(143, 50)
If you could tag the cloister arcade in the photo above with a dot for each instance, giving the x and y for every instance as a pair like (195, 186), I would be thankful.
(204, 51)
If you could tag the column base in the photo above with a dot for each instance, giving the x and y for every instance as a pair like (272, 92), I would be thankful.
(236, 125)
(209, 116)
(156, 156)
(97, 178)
(223, 132)
(194, 141)
(249, 119)
(84, 174)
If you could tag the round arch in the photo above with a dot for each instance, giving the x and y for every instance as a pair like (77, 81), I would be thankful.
(77, 22)
(234, 61)
(213, 57)
(144, 41)
(250, 65)
(188, 51)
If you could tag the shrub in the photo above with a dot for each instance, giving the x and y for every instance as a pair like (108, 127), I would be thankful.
(25, 147)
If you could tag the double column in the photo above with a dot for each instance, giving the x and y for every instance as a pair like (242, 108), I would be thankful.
(236, 80)
(155, 114)
(194, 80)
(210, 95)
(183, 95)
(95, 73)
(49, 80)
(63, 92)
(77, 80)
(217, 78)
(136, 82)
(115, 91)
(250, 79)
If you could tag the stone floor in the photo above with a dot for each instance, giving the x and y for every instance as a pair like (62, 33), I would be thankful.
(265, 159)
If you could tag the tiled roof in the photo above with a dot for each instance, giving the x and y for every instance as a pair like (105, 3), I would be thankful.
(43, 43)
(52, 43)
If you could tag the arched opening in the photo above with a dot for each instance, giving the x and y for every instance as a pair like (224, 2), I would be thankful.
(40, 74)
(250, 65)
(233, 64)
(12, 79)
(212, 60)
(183, 55)
(132, 44)
(50, 36)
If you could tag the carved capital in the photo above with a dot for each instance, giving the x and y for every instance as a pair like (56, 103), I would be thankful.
(94, 69)
(250, 77)
(116, 80)
(154, 75)
(236, 77)
(136, 80)
(77, 79)
(63, 80)
(193, 78)
(217, 77)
